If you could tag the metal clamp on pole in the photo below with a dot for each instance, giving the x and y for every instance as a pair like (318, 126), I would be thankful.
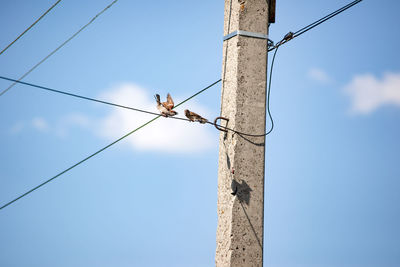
(219, 126)
(247, 34)
(270, 43)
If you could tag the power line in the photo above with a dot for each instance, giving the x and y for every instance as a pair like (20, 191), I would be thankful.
(100, 150)
(77, 96)
(269, 93)
(55, 50)
(327, 17)
(44, 14)
(102, 101)
(269, 89)
(291, 35)
(153, 113)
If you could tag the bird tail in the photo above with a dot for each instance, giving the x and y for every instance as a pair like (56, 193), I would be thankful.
(157, 97)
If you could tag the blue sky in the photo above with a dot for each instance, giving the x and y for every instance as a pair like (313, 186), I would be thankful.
(332, 168)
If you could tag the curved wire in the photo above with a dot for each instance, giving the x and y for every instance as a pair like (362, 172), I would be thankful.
(269, 92)
(268, 108)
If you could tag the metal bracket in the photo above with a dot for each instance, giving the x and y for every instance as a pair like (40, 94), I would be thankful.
(270, 43)
(218, 126)
(247, 34)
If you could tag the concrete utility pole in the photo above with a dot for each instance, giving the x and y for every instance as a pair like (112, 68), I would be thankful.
(242, 159)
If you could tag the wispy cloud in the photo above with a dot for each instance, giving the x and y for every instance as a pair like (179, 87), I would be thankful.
(165, 135)
(319, 75)
(368, 93)
(61, 128)
(40, 124)
(17, 127)
(66, 123)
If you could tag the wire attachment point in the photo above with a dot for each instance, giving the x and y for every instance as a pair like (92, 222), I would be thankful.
(270, 43)
(288, 36)
(218, 126)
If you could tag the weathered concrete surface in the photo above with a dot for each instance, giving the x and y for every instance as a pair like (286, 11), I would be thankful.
(241, 217)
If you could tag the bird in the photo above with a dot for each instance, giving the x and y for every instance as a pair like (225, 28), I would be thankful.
(195, 117)
(166, 107)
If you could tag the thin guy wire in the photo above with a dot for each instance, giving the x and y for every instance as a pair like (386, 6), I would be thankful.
(102, 149)
(44, 14)
(226, 55)
(55, 50)
(315, 24)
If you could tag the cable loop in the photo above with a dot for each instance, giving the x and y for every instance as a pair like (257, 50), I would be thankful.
(218, 126)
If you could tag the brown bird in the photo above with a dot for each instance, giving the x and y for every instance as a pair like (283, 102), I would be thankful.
(165, 107)
(194, 117)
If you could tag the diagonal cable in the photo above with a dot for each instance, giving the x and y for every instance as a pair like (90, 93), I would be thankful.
(327, 17)
(98, 100)
(59, 47)
(75, 95)
(27, 29)
(100, 150)
(156, 114)
(290, 36)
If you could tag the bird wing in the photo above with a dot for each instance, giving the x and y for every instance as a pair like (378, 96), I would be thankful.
(170, 102)
(197, 117)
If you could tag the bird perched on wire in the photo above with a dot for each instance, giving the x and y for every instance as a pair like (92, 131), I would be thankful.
(194, 117)
(166, 107)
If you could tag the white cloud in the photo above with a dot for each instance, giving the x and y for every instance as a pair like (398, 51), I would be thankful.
(166, 135)
(40, 124)
(319, 75)
(163, 135)
(368, 93)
